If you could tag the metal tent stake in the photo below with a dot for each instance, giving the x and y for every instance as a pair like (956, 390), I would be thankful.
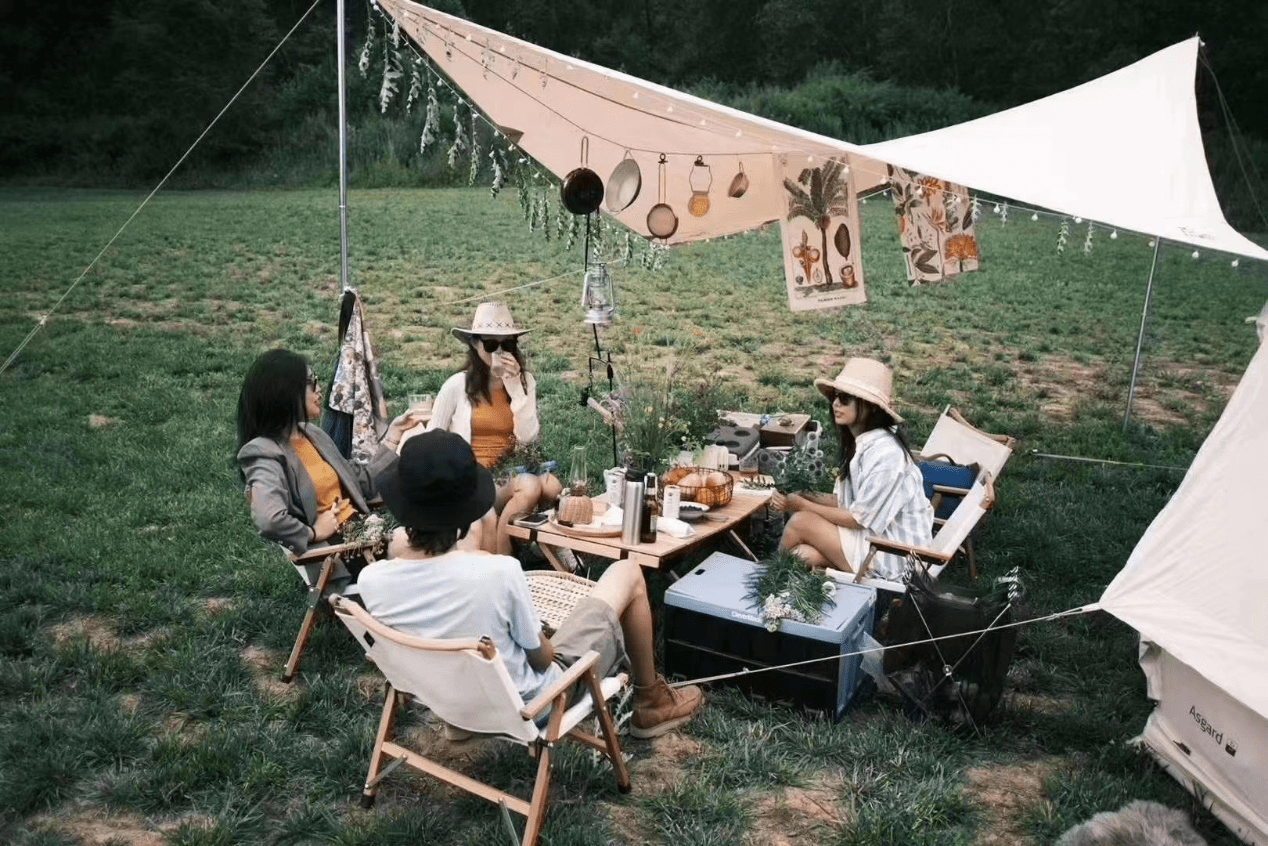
(1140, 339)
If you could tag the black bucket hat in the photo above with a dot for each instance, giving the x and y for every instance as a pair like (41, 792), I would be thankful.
(437, 484)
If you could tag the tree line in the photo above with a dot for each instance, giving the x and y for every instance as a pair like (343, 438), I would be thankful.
(114, 91)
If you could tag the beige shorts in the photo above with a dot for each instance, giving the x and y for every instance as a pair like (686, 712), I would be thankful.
(593, 624)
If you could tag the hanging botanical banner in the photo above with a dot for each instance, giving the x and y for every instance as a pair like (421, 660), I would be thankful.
(821, 237)
(935, 226)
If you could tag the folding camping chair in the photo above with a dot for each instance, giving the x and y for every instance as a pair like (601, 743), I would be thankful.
(947, 542)
(324, 570)
(951, 458)
(464, 682)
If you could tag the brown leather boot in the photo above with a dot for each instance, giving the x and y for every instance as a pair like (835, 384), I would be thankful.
(659, 708)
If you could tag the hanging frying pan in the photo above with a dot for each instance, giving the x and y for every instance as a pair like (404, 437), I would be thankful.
(624, 184)
(738, 185)
(661, 220)
(582, 189)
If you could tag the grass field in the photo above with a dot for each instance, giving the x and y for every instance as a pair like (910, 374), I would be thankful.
(143, 623)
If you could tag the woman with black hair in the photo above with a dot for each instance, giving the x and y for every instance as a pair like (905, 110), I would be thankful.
(879, 490)
(492, 404)
(301, 489)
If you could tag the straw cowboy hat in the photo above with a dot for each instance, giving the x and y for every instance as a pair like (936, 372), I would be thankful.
(436, 483)
(491, 320)
(865, 378)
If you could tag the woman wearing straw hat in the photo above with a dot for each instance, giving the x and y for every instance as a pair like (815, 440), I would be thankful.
(879, 490)
(492, 403)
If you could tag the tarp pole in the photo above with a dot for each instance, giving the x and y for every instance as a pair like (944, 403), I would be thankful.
(343, 151)
(1140, 338)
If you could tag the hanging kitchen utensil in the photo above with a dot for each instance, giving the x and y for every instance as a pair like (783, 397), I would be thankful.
(698, 205)
(582, 189)
(661, 220)
(624, 184)
(738, 185)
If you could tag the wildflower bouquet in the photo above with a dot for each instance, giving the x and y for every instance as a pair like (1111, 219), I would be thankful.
(787, 589)
(372, 529)
(804, 469)
(522, 458)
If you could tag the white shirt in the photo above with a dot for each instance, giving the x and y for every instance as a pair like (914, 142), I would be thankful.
(461, 594)
(885, 493)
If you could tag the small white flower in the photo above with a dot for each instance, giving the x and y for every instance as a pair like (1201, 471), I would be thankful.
(830, 588)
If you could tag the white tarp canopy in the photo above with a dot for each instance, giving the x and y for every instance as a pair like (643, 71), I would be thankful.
(1124, 150)
(1195, 587)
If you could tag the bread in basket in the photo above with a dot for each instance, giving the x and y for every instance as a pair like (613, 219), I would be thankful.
(698, 484)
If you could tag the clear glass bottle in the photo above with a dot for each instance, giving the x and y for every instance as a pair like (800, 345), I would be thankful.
(579, 472)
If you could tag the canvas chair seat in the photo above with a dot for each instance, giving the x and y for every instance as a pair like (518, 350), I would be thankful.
(948, 542)
(464, 682)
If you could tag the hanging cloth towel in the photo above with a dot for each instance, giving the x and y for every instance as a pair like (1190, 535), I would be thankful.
(356, 394)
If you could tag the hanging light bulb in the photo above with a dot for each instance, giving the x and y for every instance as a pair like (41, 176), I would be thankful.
(1114, 234)
(1035, 216)
(1195, 253)
(598, 296)
(1236, 262)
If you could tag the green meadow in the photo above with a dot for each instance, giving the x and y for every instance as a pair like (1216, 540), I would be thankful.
(143, 624)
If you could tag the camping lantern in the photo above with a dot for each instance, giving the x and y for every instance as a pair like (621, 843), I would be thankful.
(598, 296)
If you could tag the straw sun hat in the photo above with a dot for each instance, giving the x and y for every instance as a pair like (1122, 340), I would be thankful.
(865, 378)
(491, 320)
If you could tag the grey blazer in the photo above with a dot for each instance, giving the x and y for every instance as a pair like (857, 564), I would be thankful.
(282, 496)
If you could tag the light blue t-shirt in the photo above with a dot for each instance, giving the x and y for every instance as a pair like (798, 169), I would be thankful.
(461, 594)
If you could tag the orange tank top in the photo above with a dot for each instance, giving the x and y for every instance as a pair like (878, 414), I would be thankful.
(325, 480)
(492, 429)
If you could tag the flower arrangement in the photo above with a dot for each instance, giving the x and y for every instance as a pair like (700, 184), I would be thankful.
(803, 469)
(788, 589)
(370, 529)
(522, 458)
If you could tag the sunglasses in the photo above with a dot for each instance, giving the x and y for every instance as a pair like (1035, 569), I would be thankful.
(840, 396)
(491, 344)
(312, 383)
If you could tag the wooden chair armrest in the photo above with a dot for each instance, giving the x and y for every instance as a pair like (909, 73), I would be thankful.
(570, 677)
(886, 545)
(1006, 440)
(319, 553)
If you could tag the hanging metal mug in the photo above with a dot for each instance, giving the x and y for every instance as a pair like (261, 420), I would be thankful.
(582, 189)
(661, 220)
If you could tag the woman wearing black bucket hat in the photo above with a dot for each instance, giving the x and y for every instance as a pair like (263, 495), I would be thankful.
(879, 489)
(431, 588)
(492, 404)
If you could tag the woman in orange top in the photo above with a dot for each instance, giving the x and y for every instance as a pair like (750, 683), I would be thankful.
(300, 487)
(492, 403)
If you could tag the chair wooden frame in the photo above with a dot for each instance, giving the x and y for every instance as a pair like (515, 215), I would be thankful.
(485, 702)
(324, 570)
(949, 541)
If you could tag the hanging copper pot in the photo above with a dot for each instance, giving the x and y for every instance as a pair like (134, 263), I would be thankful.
(661, 220)
(582, 189)
(738, 185)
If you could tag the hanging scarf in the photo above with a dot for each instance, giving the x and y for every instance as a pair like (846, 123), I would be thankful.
(355, 390)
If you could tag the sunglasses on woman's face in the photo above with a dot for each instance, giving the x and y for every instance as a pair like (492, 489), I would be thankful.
(491, 344)
(841, 397)
(312, 383)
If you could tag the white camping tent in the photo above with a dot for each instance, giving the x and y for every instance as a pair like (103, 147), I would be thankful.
(1124, 150)
(1194, 588)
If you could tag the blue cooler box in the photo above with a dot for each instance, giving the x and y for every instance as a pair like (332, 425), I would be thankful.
(712, 629)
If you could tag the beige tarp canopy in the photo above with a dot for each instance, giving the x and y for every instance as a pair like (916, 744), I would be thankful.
(1123, 150)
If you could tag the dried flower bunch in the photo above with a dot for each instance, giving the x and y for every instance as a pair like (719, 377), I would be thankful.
(787, 589)
(522, 458)
(370, 529)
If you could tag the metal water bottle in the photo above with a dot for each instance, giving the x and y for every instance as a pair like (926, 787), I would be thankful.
(631, 508)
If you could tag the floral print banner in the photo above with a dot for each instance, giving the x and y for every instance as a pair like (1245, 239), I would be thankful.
(356, 389)
(935, 225)
(821, 236)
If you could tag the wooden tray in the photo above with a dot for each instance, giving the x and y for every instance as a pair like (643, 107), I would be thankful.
(587, 531)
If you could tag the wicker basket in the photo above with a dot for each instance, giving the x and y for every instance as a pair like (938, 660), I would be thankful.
(710, 495)
(555, 594)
